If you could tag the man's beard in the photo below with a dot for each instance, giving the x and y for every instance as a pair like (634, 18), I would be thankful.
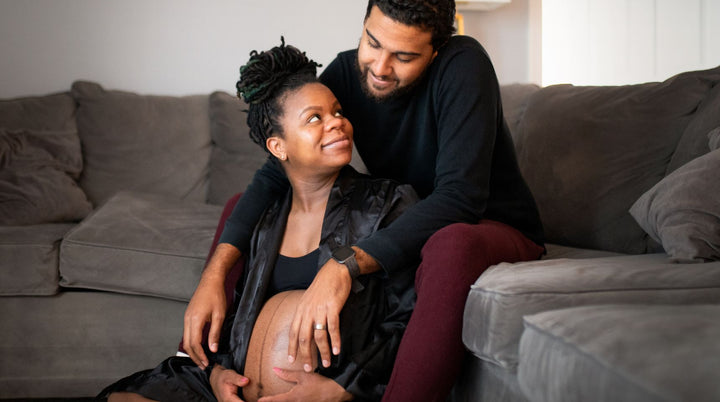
(396, 93)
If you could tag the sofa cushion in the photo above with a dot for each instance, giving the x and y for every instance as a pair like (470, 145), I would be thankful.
(37, 177)
(49, 113)
(140, 244)
(693, 142)
(504, 293)
(588, 153)
(682, 211)
(76, 343)
(29, 259)
(152, 144)
(514, 102)
(234, 158)
(622, 353)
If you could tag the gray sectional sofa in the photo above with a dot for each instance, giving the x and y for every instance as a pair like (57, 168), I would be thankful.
(100, 253)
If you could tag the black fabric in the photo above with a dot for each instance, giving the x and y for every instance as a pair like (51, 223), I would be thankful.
(175, 379)
(292, 273)
(372, 321)
(447, 138)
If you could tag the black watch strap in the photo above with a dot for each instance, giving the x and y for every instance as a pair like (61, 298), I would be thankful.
(346, 255)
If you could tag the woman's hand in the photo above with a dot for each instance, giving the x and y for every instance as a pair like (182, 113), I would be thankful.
(308, 387)
(208, 305)
(225, 384)
(321, 304)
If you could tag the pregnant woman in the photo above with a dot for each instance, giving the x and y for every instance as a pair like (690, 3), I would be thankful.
(329, 207)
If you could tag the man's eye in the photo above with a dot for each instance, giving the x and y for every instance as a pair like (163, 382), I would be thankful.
(404, 59)
(373, 45)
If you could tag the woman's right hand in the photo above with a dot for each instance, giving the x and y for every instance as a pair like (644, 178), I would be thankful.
(225, 384)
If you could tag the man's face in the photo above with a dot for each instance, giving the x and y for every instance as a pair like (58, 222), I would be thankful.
(392, 56)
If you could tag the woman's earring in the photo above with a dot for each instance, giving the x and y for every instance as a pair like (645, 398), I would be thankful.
(283, 157)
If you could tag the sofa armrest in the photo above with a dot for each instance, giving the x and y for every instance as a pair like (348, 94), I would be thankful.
(503, 294)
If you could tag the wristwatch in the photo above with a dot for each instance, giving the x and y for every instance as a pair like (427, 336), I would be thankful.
(346, 255)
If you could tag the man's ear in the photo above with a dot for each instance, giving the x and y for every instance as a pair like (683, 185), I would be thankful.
(276, 146)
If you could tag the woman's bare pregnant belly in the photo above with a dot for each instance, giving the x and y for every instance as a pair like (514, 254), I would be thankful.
(268, 347)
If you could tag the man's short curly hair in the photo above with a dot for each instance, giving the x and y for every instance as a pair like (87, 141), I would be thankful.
(437, 16)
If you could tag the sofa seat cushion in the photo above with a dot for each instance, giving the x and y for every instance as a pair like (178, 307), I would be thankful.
(503, 294)
(140, 244)
(618, 353)
(29, 258)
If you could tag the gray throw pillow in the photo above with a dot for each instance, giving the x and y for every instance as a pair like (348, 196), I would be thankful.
(682, 211)
(37, 177)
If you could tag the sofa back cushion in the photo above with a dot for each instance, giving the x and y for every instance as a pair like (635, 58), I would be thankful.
(707, 117)
(54, 112)
(234, 158)
(588, 153)
(152, 144)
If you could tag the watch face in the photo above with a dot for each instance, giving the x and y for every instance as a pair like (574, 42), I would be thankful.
(343, 253)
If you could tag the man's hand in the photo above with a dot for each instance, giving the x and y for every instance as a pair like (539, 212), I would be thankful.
(320, 304)
(308, 387)
(208, 305)
(225, 384)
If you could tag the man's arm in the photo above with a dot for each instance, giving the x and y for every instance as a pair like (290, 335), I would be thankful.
(208, 304)
(469, 120)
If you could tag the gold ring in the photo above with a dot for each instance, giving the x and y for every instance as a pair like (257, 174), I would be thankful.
(319, 327)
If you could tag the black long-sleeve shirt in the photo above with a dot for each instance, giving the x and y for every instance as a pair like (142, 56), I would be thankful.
(447, 138)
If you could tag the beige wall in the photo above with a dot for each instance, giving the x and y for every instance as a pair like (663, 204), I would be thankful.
(180, 47)
(511, 36)
(159, 46)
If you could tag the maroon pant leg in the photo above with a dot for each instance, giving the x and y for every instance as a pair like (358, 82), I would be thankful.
(431, 352)
(235, 271)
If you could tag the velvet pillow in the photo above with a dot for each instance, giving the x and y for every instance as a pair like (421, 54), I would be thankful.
(682, 211)
(38, 170)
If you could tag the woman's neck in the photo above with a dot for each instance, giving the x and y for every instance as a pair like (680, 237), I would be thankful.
(310, 193)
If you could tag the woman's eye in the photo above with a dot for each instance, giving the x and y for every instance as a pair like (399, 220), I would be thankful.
(339, 113)
(313, 118)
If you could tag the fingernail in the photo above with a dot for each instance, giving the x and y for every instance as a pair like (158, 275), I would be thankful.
(291, 359)
(307, 368)
(336, 351)
(326, 363)
(213, 347)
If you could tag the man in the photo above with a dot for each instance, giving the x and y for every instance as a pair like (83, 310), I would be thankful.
(426, 110)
